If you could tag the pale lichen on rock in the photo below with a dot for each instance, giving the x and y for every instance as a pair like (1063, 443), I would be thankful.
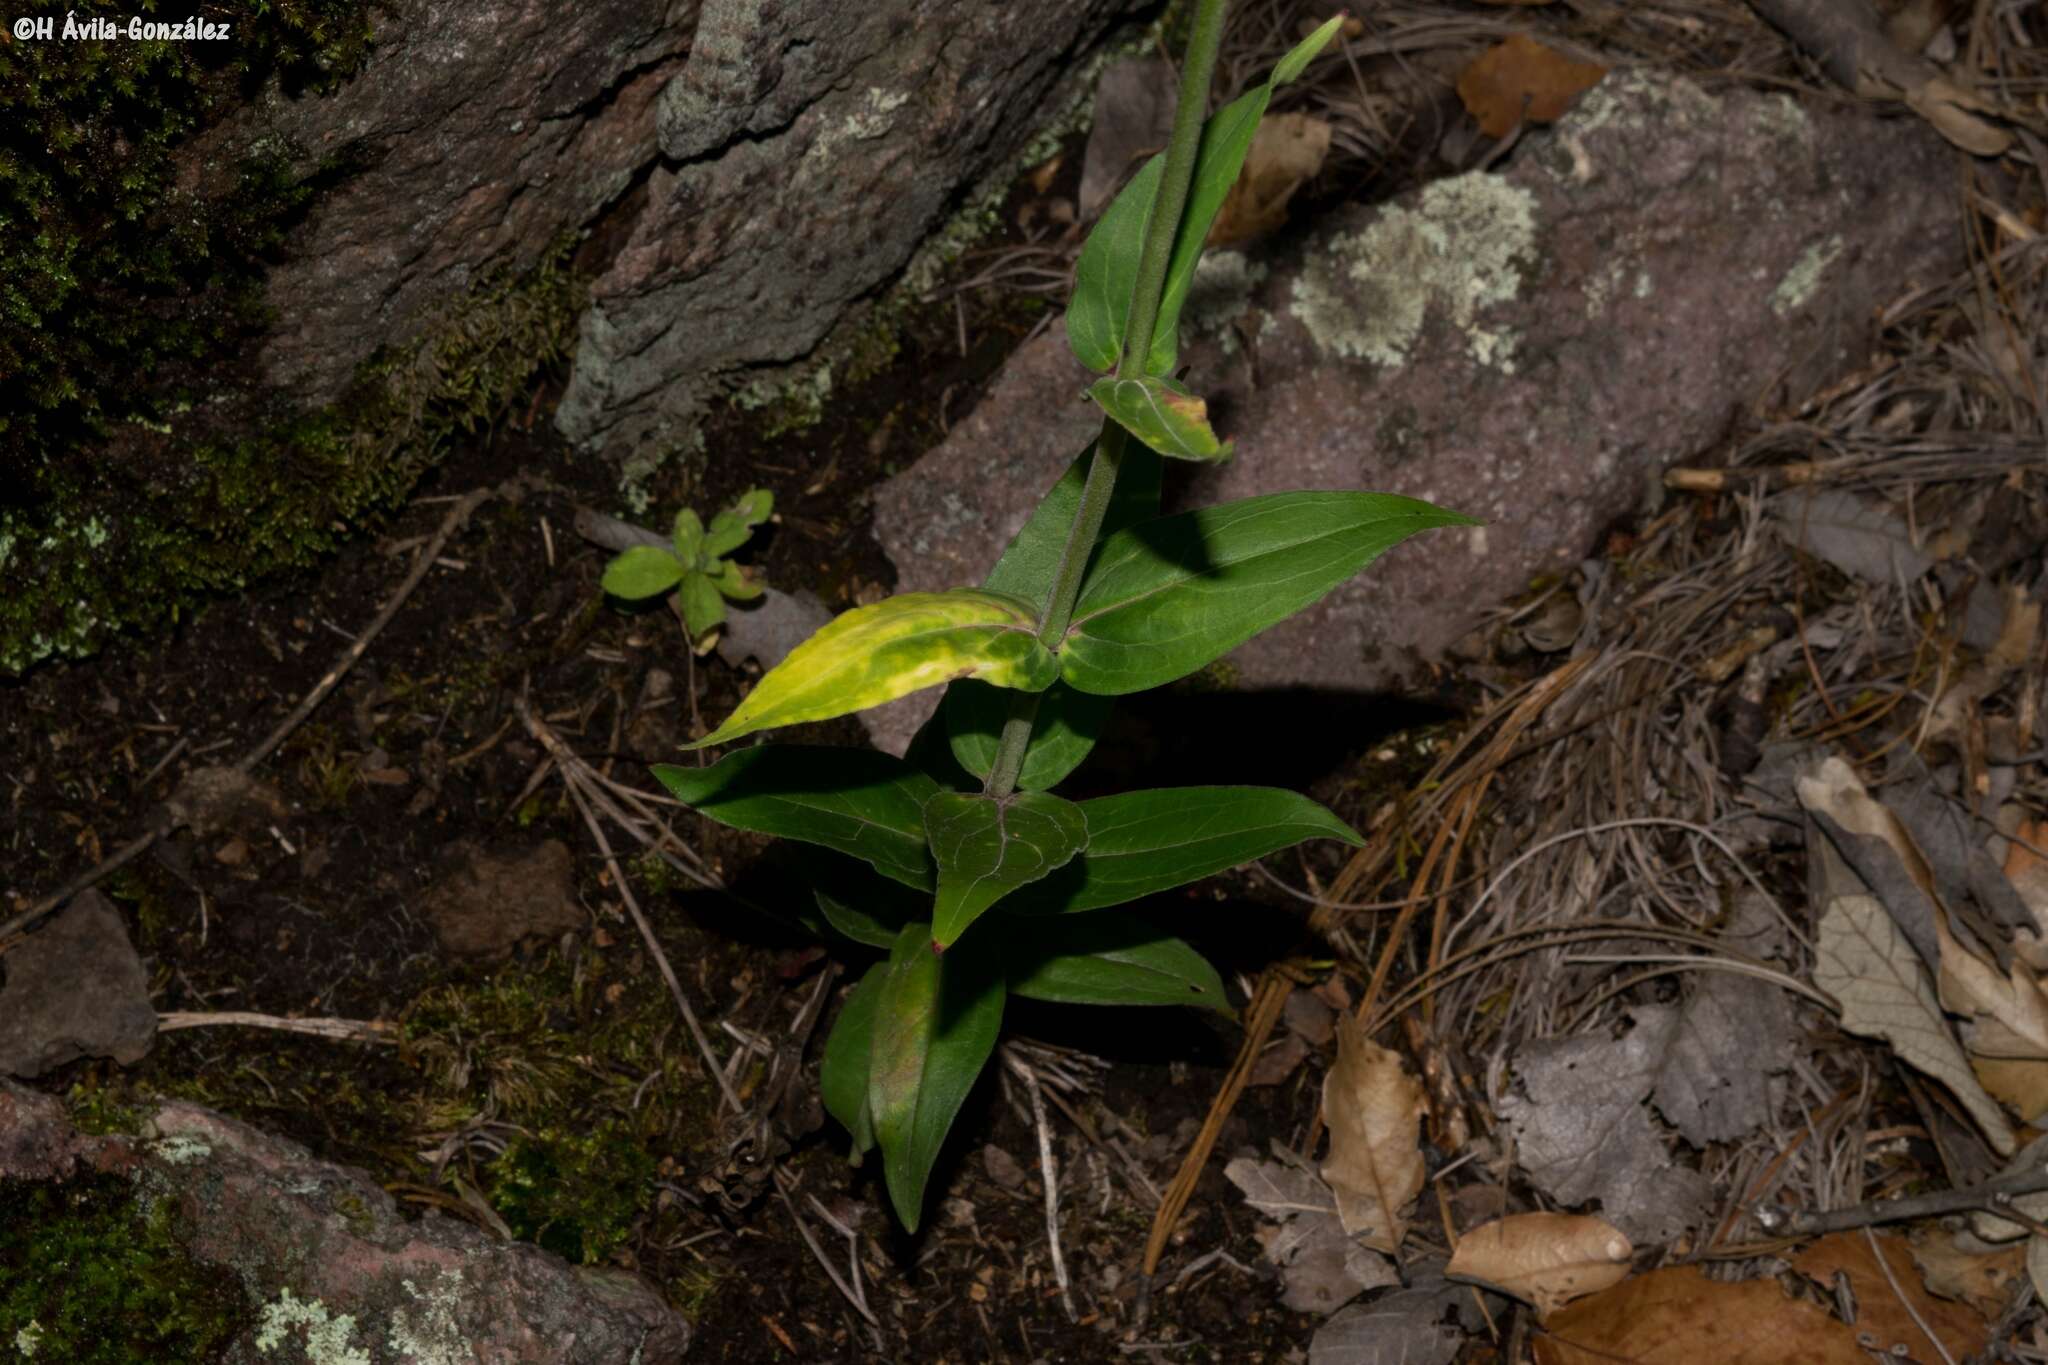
(1462, 248)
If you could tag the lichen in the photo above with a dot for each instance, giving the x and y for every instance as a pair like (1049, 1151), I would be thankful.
(1460, 250)
(1803, 279)
(431, 1335)
(329, 1337)
(1219, 293)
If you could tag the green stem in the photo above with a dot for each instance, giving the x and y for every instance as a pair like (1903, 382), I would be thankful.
(1197, 73)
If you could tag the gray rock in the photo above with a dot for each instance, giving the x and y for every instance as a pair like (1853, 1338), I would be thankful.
(74, 989)
(330, 1265)
(810, 148)
(1530, 347)
(476, 136)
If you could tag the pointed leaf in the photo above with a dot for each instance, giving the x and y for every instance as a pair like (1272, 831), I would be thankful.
(703, 609)
(642, 571)
(1063, 732)
(854, 923)
(1107, 273)
(936, 1021)
(903, 643)
(1548, 1259)
(1149, 841)
(1166, 597)
(1068, 722)
(732, 582)
(987, 848)
(689, 537)
(1162, 414)
(854, 800)
(843, 1073)
(1109, 959)
(731, 528)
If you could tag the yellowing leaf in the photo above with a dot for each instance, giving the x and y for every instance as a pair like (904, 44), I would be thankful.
(1549, 1259)
(1680, 1317)
(1162, 414)
(1374, 1110)
(875, 654)
(1286, 153)
(1863, 960)
(1522, 80)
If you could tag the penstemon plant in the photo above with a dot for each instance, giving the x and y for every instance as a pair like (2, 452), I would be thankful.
(975, 878)
(692, 570)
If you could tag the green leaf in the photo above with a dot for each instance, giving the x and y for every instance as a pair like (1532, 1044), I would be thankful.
(1142, 842)
(876, 654)
(689, 537)
(854, 923)
(1063, 732)
(1107, 959)
(843, 1072)
(731, 528)
(642, 571)
(732, 582)
(854, 800)
(703, 608)
(936, 1021)
(1169, 596)
(1162, 414)
(1107, 273)
(1068, 721)
(986, 848)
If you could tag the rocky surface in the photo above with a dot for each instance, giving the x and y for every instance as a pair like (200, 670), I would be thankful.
(330, 1270)
(1531, 347)
(489, 900)
(74, 988)
(807, 150)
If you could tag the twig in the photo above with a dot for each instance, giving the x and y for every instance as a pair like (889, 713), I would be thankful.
(1905, 1299)
(163, 822)
(1993, 1196)
(858, 1301)
(349, 1030)
(1049, 1171)
(553, 744)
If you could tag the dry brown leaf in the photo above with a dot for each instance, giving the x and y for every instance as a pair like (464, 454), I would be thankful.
(1522, 79)
(2009, 1013)
(1374, 1110)
(1890, 1320)
(1680, 1317)
(1286, 153)
(1946, 107)
(2028, 870)
(1548, 1259)
(1836, 792)
(1985, 1280)
(1863, 960)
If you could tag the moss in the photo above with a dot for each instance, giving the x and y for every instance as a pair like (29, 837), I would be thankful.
(578, 1194)
(242, 507)
(89, 1275)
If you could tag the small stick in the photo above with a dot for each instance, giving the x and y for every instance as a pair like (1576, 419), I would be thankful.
(1991, 1197)
(1049, 1170)
(350, 1030)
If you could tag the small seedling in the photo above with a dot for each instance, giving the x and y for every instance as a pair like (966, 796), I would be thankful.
(958, 861)
(693, 570)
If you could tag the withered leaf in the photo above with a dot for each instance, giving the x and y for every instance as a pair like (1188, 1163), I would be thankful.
(1891, 1321)
(1374, 1111)
(1680, 1317)
(1548, 1259)
(1521, 79)
(1286, 153)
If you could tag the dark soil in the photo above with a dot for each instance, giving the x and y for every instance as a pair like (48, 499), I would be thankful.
(420, 750)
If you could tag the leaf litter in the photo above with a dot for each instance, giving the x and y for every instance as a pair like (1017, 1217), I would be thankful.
(1731, 923)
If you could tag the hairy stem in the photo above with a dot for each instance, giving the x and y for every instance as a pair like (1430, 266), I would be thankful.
(1197, 73)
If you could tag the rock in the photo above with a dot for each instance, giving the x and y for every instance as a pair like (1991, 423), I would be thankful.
(767, 628)
(325, 1260)
(472, 138)
(225, 800)
(1530, 347)
(490, 901)
(787, 129)
(74, 989)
